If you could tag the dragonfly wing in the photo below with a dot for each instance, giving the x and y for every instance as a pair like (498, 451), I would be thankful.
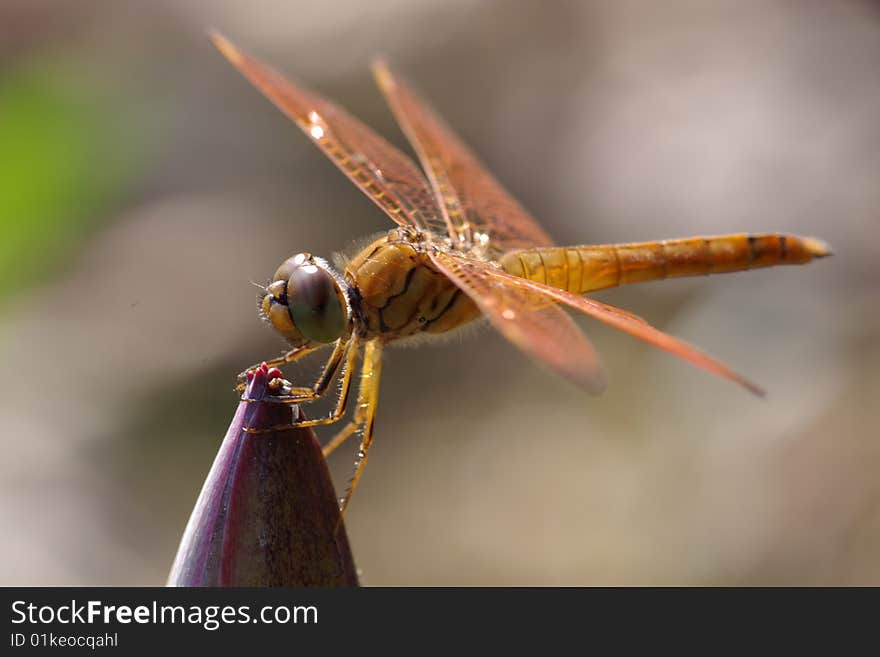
(619, 319)
(472, 200)
(537, 326)
(389, 177)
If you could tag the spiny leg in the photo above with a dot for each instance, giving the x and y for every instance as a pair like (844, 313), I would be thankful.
(341, 436)
(341, 400)
(288, 357)
(352, 426)
(364, 416)
(344, 388)
(317, 390)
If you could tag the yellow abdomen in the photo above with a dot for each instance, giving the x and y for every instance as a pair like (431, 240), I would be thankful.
(582, 269)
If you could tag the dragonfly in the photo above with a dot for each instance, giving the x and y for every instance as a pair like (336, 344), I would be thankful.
(462, 249)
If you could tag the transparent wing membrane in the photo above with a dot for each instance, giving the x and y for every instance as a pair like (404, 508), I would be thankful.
(530, 320)
(619, 319)
(389, 177)
(476, 207)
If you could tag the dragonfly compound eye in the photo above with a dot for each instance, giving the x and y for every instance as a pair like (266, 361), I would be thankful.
(315, 301)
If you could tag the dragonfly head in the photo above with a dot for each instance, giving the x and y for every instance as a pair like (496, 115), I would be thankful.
(306, 301)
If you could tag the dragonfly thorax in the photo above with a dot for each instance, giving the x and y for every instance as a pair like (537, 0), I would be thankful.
(306, 301)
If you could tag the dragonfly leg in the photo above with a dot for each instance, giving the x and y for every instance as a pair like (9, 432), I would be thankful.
(364, 416)
(351, 427)
(303, 395)
(341, 400)
(341, 436)
(288, 357)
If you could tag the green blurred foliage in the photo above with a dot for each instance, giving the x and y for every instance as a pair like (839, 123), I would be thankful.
(59, 166)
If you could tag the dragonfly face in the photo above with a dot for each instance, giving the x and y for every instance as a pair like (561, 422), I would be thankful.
(306, 301)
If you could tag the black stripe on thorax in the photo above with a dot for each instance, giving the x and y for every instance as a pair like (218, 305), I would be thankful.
(406, 284)
(446, 308)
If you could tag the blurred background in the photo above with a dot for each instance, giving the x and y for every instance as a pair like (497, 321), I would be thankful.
(144, 183)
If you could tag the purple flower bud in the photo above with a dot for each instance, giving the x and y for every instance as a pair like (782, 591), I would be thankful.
(267, 514)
